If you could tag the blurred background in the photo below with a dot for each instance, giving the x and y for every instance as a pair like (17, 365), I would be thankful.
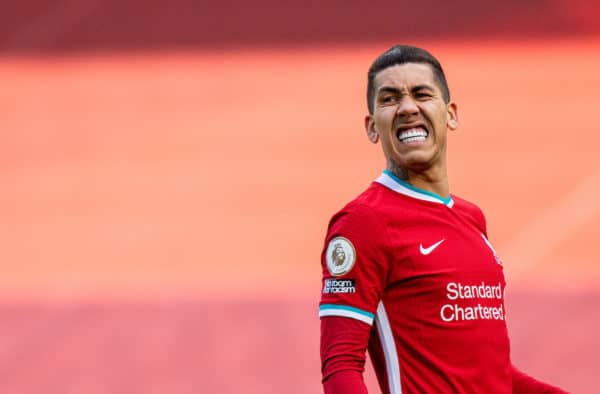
(168, 170)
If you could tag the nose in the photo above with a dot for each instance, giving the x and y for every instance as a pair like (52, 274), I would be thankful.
(407, 107)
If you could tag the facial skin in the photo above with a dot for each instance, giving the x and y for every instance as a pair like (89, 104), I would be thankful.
(407, 97)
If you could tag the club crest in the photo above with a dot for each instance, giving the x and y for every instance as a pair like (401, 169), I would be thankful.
(340, 256)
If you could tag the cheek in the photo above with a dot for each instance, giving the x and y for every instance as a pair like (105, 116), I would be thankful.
(383, 118)
(439, 119)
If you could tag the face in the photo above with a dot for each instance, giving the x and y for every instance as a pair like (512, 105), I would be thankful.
(411, 118)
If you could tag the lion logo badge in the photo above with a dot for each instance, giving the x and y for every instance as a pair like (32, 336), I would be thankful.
(340, 256)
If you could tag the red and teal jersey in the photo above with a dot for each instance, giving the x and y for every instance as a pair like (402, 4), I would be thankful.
(420, 271)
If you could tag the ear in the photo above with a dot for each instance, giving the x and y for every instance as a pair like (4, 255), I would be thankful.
(452, 113)
(372, 134)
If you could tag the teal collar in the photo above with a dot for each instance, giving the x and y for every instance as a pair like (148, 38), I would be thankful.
(391, 181)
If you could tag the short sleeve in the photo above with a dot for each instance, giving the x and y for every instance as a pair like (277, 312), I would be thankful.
(355, 265)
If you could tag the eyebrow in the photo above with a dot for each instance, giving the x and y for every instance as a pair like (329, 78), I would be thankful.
(421, 87)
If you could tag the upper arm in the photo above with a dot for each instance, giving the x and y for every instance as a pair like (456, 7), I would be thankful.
(354, 266)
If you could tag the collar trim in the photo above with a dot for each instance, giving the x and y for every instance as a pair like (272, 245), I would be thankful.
(391, 181)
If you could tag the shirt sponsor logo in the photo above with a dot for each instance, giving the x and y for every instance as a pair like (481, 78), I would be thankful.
(340, 256)
(458, 292)
(336, 286)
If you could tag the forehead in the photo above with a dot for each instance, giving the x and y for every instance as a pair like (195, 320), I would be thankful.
(405, 75)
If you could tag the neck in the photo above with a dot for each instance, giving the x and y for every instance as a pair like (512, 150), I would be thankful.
(434, 180)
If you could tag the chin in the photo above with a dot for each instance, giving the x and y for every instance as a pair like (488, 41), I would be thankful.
(415, 161)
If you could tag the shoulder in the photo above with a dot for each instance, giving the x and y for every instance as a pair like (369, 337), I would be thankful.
(361, 216)
(471, 211)
(466, 205)
(364, 209)
(356, 230)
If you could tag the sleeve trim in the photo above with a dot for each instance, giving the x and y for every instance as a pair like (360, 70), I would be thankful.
(346, 311)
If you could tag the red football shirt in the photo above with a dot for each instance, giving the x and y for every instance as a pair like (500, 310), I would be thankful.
(420, 271)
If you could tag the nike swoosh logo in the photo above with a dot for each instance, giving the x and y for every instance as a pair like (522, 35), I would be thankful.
(426, 251)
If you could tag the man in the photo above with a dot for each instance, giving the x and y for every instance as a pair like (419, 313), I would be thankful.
(408, 271)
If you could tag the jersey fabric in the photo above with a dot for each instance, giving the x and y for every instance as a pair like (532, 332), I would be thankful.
(420, 271)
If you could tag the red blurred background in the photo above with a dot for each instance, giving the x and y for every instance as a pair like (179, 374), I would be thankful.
(168, 170)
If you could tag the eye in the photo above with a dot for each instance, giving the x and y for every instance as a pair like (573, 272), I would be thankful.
(388, 99)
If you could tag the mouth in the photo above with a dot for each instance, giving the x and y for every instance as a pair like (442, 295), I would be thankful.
(413, 134)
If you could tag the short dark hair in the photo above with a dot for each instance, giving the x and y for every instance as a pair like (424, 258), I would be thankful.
(401, 54)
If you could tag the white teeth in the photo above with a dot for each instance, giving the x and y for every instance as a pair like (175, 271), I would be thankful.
(414, 139)
(412, 135)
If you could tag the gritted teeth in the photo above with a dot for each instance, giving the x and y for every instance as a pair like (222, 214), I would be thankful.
(412, 135)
